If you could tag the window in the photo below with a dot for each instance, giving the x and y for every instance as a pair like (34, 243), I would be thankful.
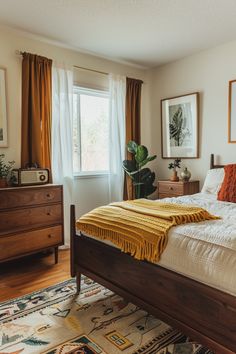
(90, 131)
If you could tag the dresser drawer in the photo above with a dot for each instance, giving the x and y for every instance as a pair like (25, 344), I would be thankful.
(19, 197)
(171, 188)
(23, 243)
(30, 218)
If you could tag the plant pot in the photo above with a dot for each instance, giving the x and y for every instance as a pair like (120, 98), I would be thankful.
(174, 177)
(3, 183)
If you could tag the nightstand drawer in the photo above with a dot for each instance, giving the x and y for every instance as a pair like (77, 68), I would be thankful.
(175, 189)
(172, 188)
(167, 195)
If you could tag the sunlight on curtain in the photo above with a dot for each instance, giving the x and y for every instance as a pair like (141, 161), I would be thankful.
(62, 138)
(117, 90)
(36, 111)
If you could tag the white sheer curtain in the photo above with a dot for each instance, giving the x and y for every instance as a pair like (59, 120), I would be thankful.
(62, 137)
(117, 89)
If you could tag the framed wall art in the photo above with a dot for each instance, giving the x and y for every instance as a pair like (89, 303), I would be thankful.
(232, 112)
(3, 109)
(179, 126)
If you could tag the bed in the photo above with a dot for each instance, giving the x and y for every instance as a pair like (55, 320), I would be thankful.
(203, 307)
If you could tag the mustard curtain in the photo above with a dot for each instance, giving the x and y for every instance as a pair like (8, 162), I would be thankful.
(36, 111)
(133, 112)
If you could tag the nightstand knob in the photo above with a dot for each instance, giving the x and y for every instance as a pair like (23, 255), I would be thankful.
(171, 188)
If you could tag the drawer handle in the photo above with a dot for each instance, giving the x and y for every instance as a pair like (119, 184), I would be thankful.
(50, 236)
(49, 213)
(49, 195)
(171, 188)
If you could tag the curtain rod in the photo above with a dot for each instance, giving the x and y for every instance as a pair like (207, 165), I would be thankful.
(18, 52)
(93, 70)
(98, 72)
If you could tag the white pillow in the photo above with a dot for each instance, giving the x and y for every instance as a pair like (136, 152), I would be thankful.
(213, 181)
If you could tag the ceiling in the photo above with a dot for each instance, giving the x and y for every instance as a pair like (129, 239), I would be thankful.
(146, 33)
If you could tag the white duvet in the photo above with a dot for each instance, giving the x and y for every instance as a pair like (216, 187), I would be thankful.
(205, 251)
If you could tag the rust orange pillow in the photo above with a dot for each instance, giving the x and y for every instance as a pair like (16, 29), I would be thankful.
(227, 191)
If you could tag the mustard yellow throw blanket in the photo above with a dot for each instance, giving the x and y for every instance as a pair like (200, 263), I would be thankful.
(139, 227)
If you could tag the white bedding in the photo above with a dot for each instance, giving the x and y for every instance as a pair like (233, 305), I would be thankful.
(204, 251)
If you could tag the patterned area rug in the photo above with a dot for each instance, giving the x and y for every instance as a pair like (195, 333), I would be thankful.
(56, 321)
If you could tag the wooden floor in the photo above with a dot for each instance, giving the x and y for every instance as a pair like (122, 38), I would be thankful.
(32, 273)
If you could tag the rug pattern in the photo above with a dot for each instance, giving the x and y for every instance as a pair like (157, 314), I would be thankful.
(57, 321)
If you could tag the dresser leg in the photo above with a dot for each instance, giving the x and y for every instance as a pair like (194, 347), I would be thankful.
(56, 254)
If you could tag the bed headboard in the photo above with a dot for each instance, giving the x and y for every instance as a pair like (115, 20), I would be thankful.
(212, 163)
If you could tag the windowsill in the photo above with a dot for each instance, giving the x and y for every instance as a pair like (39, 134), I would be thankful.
(91, 175)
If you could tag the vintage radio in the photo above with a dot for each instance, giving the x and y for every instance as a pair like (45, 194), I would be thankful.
(29, 176)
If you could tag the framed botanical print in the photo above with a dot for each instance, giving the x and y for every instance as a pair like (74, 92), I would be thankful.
(3, 109)
(179, 126)
(232, 112)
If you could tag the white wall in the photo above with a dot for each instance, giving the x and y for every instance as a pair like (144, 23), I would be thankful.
(209, 73)
(90, 192)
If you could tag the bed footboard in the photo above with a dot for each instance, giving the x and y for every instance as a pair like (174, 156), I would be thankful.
(204, 313)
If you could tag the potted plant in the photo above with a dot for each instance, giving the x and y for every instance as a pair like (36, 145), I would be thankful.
(174, 165)
(5, 169)
(142, 178)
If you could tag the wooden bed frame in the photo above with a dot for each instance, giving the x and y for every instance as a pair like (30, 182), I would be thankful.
(204, 313)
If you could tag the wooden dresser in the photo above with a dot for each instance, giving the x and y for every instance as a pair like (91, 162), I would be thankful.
(168, 188)
(31, 220)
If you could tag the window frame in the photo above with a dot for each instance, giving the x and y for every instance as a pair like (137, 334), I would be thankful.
(94, 92)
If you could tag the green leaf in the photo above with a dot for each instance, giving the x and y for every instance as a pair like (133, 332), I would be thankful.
(129, 166)
(134, 173)
(5, 168)
(177, 163)
(150, 178)
(132, 147)
(149, 190)
(148, 159)
(142, 175)
(141, 154)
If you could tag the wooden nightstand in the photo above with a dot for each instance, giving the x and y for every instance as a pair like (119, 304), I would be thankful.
(167, 188)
